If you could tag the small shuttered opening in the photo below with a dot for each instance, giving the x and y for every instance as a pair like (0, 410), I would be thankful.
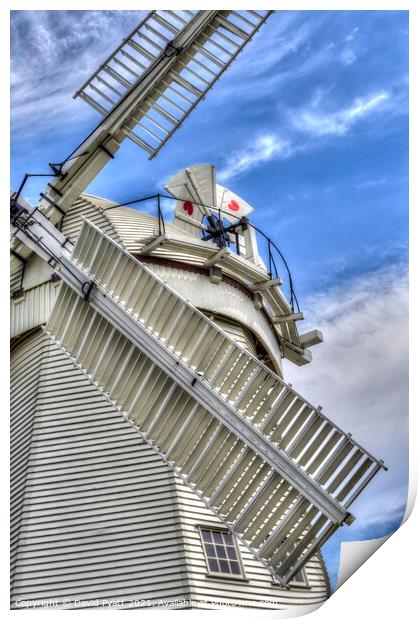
(16, 279)
(243, 336)
(235, 330)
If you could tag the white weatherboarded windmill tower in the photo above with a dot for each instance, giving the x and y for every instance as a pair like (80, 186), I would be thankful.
(158, 456)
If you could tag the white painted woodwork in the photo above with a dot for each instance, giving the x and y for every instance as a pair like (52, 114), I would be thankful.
(33, 308)
(308, 512)
(314, 428)
(311, 338)
(223, 299)
(97, 513)
(138, 229)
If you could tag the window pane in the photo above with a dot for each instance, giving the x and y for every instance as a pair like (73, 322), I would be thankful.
(221, 552)
(217, 537)
(210, 549)
(228, 538)
(299, 577)
(213, 566)
(224, 566)
(231, 553)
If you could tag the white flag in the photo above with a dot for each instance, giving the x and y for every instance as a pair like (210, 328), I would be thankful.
(232, 206)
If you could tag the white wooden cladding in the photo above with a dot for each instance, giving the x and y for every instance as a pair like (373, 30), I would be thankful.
(197, 68)
(95, 210)
(221, 301)
(95, 511)
(93, 508)
(33, 308)
(283, 525)
(257, 590)
(16, 274)
(26, 359)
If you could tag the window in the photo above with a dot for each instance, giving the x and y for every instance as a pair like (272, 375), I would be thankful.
(221, 552)
(299, 579)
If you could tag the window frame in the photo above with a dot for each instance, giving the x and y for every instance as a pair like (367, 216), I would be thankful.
(296, 584)
(300, 584)
(219, 575)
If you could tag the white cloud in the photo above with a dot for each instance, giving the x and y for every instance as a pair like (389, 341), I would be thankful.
(339, 122)
(306, 129)
(263, 149)
(373, 183)
(350, 37)
(52, 54)
(360, 375)
(347, 56)
(286, 52)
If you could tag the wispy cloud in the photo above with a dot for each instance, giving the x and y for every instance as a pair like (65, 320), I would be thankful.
(360, 375)
(373, 183)
(347, 56)
(285, 54)
(361, 371)
(352, 34)
(340, 121)
(306, 129)
(52, 53)
(265, 148)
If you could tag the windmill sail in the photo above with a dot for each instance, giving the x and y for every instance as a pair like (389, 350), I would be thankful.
(198, 66)
(153, 79)
(274, 469)
(128, 63)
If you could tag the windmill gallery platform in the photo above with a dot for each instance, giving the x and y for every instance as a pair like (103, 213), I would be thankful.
(158, 455)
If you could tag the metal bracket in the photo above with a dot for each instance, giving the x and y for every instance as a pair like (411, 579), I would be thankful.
(172, 50)
(103, 148)
(57, 170)
(87, 289)
(52, 262)
(19, 257)
(57, 191)
(66, 240)
(52, 203)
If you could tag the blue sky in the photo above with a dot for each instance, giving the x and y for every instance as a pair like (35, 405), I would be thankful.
(310, 126)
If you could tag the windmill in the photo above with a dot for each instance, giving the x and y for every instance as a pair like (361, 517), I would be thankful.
(159, 454)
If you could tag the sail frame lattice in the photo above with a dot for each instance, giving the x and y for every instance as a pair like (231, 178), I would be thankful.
(199, 64)
(286, 476)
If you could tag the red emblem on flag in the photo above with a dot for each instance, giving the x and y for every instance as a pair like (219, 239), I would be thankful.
(188, 207)
(233, 205)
